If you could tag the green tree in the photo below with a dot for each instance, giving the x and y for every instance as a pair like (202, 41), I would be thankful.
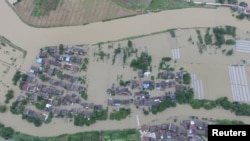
(167, 59)
(240, 16)
(6, 132)
(16, 77)
(219, 35)
(224, 103)
(232, 1)
(37, 122)
(142, 62)
(196, 103)
(229, 52)
(183, 97)
(231, 30)
(3, 108)
(61, 48)
(243, 4)
(9, 95)
(208, 37)
(230, 42)
(172, 33)
(186, 78)
(130, 44)
(84, 95)
(79, 120)
(221, 1)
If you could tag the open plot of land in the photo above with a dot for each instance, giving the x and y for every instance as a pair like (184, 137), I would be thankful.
(68, 12)
(101, 74)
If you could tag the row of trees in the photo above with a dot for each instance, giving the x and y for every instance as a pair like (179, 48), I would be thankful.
(241, 109)
(208, 37)
(187, 97)
(228, 1)
(162, 106)
(9, 95)
(186, 78)
(199, 36)
(35, 120)
(122, 113)
(81, 120)
(16, 77)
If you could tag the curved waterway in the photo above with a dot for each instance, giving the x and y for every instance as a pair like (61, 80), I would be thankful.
(29, 37)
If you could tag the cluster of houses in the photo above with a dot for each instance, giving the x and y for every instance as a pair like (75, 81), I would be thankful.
(34, 114)
(169, 82)
(143, 98)
(53, 107)
(86, 110)
(186, 130)
(51, 61)
(60, 112)
(59, 89)
(63, 58)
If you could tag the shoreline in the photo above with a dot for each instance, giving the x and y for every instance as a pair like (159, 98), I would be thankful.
(47, 130)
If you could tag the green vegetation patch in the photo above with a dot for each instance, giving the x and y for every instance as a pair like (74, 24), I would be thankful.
(9, 95)
(199, 36)
(6, 132)
(208, 37)
(110, 135)
(161, 107)
(142, 62)
(122, 113)
(3, 108)
(80, 120)
(172, 33)
(219, 33)
(133, 4)
(19, 77)
(42, 7)
(229, 122)
(157, 5)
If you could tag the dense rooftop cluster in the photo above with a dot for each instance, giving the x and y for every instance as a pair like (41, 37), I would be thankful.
(141, 89)
(186, 130)
(54, 80)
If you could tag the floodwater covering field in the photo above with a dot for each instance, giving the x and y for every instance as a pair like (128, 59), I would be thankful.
(32, 39)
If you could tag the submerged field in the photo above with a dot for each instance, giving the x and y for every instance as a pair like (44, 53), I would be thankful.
(102, 73)
(56, 13)
(157, 44)
(66, 12)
